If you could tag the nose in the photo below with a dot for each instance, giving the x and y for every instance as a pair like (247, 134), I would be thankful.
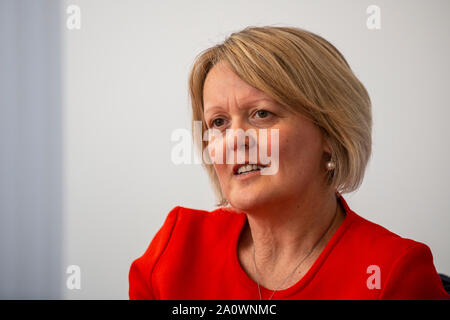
(241, 138)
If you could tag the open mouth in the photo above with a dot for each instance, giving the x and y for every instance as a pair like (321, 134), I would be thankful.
(242, 169)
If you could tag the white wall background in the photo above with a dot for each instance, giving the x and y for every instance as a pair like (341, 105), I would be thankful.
(125, 91)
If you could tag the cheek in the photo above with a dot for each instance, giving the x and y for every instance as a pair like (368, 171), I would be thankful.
(289, 154)
(218, 164)
(292, 151)
(221, 169)
(216, 150)
(222, 175)
(300, 153)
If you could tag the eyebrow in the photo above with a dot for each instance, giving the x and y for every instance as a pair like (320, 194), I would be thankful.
(210, 109)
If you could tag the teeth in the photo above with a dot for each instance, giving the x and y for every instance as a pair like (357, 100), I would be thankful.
(248, 168)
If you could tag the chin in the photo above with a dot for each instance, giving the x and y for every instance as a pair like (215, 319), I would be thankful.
(249, 202)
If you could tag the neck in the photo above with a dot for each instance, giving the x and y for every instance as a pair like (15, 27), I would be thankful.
(282, 233)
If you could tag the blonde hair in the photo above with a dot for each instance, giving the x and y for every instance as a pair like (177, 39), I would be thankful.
(306, 74)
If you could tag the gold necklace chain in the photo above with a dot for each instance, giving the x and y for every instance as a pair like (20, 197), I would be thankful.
(301, 261)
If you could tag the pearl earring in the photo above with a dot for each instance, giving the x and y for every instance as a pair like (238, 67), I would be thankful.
(331, 165)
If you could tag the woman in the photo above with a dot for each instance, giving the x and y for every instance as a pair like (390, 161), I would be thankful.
(288, 234)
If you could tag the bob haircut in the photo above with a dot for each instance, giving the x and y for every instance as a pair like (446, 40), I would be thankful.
(306, 74)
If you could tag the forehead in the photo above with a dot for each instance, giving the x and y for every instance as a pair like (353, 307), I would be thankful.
(223, 87)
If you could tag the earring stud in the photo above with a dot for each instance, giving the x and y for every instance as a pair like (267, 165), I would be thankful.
(331, 165)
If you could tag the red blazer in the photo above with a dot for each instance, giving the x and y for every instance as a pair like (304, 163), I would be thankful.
(194, 256)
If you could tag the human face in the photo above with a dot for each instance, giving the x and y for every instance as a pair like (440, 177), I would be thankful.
(231, 103)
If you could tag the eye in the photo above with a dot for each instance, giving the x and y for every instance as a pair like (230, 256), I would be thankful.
(217, 122)
(263, 113)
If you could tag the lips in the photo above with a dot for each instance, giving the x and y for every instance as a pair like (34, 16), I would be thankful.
(237, 166)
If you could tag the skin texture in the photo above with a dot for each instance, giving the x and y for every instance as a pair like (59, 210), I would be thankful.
(288, 211)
